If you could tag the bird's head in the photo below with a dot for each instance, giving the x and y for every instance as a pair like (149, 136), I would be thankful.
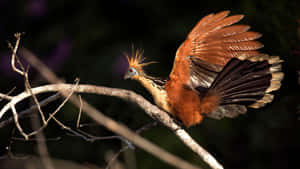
(135, 62)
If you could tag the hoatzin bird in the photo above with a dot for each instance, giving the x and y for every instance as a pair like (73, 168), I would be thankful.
(217, 72)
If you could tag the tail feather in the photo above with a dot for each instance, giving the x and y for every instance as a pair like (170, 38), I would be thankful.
(247, 81)
(243, 73)
(262, 83)
(246, 92)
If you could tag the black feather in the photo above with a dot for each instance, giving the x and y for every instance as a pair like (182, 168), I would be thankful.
(242, 81)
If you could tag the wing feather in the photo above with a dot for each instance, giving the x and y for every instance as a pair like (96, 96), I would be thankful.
(232, 46)
(204, 30)
(227, 55)
(211, 18)
(214, 40)
(229, 31)
(246, 36)
(225, 22)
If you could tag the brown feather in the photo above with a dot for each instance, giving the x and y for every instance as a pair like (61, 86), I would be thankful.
(230, 46)
(222, 57)
(246, 36)
(220, 24)
(248, 45)
(208, 20)
(228, 32)
(225, 54)
(205, 20)
(219, 16)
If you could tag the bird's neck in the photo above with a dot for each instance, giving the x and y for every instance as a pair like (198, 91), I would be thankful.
(156, 87)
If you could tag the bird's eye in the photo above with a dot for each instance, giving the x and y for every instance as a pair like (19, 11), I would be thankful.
(131, 72)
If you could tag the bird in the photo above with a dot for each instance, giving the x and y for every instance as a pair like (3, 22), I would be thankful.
(217, 72)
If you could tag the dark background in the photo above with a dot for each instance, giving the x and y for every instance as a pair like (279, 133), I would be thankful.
(86, 39)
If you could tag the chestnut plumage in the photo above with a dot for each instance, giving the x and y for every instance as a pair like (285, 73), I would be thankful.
(217, 72)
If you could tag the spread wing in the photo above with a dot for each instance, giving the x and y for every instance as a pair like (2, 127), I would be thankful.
(209, 46)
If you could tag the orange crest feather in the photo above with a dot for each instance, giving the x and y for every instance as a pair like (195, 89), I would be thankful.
(136, 59)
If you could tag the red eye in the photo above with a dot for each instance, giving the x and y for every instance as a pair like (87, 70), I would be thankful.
(130, 70)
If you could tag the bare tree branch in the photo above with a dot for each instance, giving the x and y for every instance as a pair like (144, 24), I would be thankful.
(80, 111)
(4, 96)
(24, 73)
(36, 139)
(115, 156)
(28, 89)
(15, 115)
(31, 109)
(13, 59)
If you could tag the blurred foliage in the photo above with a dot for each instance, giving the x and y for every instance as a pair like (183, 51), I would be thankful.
(86, 39)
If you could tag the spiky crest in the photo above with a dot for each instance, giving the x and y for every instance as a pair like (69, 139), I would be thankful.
(135, 59)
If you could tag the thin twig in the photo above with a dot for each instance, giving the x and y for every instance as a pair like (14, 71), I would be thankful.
(17, 36)
(116, 156)
(24, 73)
(5, 96)
(64, 102)
(147, 127)
(35, 139)
(51, 116)
(28, 89)
(63, 126)
(15, 115)
(128, 144)
(23, 113)
(144, 128)
(79, 114)
(95, 138)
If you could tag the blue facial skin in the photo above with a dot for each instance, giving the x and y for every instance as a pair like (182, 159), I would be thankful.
(130, 73)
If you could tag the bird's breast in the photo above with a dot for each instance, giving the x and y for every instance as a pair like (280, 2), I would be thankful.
(162, 101)
(184, 103)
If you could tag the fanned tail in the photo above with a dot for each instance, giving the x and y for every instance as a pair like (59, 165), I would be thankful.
(246, 81)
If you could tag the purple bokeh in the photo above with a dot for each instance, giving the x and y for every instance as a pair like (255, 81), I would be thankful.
(120, 66)
(59, 55)
(36, 8)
